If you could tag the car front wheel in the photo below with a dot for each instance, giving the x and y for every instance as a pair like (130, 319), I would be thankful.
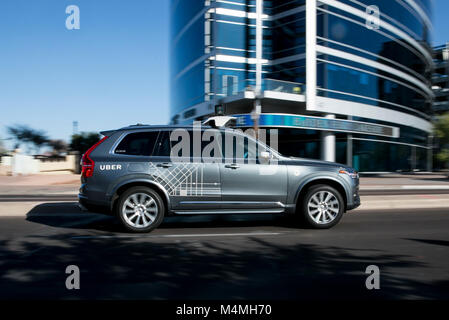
(140, 209)
(322, 207)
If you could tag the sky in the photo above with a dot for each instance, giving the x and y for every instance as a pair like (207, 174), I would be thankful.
(112, 72)
(440, 22)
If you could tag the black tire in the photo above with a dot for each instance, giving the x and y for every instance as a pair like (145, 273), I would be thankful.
(142, 214)
(307, 211)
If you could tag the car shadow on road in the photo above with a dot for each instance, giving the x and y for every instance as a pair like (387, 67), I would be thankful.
(69, 215)
(249, 267)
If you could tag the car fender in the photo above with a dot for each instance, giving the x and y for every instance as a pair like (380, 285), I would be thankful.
(319, 176)
(138, 178)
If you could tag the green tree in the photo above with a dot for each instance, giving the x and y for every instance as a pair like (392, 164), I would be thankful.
(441, 130)
(83, 141)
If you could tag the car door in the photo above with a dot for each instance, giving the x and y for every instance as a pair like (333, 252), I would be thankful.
(191, 184)
(247, 182)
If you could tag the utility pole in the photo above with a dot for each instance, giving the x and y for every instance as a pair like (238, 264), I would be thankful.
(75, 127)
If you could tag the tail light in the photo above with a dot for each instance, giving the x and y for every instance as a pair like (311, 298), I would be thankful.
(87, 163)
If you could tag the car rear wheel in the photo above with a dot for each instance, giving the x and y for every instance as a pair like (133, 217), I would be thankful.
(322, 207)
(140, 209)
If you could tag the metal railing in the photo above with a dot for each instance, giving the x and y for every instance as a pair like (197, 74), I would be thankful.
(267, 85)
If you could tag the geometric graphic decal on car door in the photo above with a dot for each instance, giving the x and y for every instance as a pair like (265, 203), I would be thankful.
(185, 179)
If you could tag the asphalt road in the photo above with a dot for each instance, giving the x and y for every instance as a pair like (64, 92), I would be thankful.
(218, 257)
(73, 197)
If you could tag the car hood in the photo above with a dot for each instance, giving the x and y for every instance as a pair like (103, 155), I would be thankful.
(303, 161)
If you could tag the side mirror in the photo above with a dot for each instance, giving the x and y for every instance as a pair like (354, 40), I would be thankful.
(265, 155)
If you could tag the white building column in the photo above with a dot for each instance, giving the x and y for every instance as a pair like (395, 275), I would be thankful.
(328, 144)
(259, 46)
(311, 68)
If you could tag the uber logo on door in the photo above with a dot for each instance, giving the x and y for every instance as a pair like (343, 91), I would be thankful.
(111, 167)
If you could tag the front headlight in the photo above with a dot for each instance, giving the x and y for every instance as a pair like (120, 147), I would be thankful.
(350, 172)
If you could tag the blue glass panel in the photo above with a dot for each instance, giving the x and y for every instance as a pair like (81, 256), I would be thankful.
(182, 11)
(188, 90)
(347, 80)
(231, 35)
(402, 14)
(189, 47)
(359, 36)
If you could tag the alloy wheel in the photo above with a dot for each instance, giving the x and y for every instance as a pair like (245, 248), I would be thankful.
(323, 207)
(140, 210)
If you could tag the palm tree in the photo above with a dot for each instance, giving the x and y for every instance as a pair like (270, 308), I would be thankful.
(82, 142)
(441, 129)
(58, 146)
(23, 134)
(2, 147)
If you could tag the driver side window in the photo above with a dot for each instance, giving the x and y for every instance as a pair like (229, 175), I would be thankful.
(239, 148)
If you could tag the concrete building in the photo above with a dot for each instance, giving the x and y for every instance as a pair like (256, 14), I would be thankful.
(345, 81)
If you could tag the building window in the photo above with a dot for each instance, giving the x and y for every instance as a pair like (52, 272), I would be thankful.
(230, 85)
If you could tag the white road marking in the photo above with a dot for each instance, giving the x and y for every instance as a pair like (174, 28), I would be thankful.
(425, 187)
(404, 187)
(184, 235)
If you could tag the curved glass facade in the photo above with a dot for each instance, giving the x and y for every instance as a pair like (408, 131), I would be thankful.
(373, 64)
(405, 77)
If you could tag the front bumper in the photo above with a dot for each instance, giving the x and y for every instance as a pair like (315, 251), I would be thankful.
(355, 199)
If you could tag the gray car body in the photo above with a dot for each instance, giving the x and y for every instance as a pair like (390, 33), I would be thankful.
(224, 189)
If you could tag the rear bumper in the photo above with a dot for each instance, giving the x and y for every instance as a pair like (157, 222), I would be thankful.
(92, 206)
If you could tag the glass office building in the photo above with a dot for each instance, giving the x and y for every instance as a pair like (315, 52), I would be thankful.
(345, 81)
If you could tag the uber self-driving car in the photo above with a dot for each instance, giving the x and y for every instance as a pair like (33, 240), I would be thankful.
(143, 173)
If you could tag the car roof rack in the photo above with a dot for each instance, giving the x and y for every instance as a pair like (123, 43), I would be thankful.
(139, 125)
(220, 121)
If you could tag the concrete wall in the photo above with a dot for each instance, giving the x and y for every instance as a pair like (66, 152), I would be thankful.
(67, 165)
(23, 164)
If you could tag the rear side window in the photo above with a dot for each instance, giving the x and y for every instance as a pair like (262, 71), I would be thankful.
(163, 146)
(138, 144)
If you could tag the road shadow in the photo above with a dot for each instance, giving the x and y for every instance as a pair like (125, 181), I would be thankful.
(429, 241)
(239, 268)
(433, 179)
(69, 215)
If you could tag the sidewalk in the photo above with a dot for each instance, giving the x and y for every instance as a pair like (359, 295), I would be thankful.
(405, 181)
(393, 202)
(40, 184)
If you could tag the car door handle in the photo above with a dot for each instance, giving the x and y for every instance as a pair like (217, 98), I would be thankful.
(232, 166)
(164, 165)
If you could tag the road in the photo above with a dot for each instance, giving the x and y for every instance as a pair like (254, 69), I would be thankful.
(73, 197)
(235, 257)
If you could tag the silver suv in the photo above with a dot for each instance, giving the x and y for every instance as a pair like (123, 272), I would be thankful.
(137, 174)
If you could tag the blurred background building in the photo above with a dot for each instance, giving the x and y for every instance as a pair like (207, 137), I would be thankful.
(440, 79)
(346, 81)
